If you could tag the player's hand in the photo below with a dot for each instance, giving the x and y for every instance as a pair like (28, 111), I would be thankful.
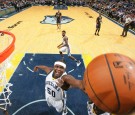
(35, 69)
(59, 82)
(58, 47)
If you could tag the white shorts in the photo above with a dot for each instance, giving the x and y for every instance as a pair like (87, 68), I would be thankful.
(58, 105)
(65, 49)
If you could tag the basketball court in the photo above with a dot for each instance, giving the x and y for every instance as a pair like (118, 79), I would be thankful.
(36, 44)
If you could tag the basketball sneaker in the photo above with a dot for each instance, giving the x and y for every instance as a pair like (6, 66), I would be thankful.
(78, 63)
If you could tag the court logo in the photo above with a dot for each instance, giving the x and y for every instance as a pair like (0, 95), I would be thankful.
(14, 25)
(52, 20)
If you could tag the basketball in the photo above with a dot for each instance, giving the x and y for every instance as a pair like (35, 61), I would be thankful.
(109, 81)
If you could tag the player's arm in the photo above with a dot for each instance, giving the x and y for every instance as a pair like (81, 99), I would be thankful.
(101, 19)
(59, 46)
(55, 16)
(97, 20)
(73, 82)
(42, 67)
(60, 16)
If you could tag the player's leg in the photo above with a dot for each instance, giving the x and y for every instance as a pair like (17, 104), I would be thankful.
(57, 21)
(58, 105)
(73, 58)
(59, 25)
(98, 31)
(61, 50)
(64, 103)
(123, 32)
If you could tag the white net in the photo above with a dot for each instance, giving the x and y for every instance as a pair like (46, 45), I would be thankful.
(5, 92)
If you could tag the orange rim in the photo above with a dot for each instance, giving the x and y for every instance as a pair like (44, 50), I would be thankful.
(8, 51)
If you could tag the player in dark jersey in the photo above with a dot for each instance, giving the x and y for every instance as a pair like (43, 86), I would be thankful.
(98, 24)
(58, 16)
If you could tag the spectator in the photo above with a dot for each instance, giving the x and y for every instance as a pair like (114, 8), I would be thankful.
(126, 26)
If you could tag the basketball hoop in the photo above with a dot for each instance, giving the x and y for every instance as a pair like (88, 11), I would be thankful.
(7, 39)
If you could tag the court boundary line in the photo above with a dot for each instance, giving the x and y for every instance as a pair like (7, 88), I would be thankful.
(36, 101)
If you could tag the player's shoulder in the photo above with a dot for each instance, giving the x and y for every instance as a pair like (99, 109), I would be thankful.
(65, 37)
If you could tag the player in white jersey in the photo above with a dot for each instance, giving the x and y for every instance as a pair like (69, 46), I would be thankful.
(56, 82)
(64, 47)
(54, 94)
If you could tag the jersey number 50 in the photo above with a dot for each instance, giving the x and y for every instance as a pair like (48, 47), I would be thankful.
(51, 92)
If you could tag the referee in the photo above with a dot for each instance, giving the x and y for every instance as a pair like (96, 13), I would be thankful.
(126, 26)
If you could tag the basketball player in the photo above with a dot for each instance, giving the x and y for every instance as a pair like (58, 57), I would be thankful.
(58, 16)
(56, 82)
(64, 47)
(98, 24)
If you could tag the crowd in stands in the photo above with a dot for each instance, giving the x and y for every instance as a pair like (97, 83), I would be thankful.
(4, 4)
(20, 4)
(117, 10)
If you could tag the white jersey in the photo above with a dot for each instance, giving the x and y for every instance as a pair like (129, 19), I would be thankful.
(52, 90)
(64, 43)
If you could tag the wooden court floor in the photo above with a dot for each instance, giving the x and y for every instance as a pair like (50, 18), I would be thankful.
(34, 37)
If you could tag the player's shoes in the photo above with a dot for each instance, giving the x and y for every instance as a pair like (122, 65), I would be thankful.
(78, 63)
(65, 111)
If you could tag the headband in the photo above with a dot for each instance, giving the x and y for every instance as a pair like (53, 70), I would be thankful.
(60, 63)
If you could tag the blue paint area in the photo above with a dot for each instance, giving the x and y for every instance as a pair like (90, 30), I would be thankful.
(52, 20)
(29, 86)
